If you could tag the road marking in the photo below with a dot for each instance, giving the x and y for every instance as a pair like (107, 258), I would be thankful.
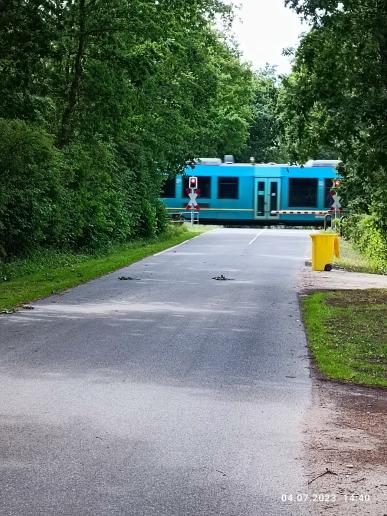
(256, 236)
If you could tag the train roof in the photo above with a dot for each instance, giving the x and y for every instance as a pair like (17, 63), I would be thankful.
(217, 162)
(258, 170)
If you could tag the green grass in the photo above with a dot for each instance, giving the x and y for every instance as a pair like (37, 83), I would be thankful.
(352, 260)
(347, 334)
(47, 272)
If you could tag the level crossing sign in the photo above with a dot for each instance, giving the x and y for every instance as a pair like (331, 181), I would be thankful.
(336, 201)
(192, 203)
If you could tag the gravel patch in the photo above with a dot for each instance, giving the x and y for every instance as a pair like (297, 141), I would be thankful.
(339, 280)
(346, 433)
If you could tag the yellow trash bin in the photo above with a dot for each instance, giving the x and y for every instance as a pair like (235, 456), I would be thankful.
(324, 247)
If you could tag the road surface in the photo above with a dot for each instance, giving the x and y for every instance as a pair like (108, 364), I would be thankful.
(168, 394)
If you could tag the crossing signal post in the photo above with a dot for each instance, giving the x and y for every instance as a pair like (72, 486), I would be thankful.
(336, 205)
(193, 193)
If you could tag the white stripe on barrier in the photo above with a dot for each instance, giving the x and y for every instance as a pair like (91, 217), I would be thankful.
(304, 212)
(291, 212)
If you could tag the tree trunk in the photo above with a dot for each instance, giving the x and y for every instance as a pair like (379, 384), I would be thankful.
(382, 37)
(66, 128)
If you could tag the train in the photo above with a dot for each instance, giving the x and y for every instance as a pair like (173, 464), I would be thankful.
(252, 193)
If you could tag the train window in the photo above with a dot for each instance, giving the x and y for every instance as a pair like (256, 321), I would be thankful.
(273, 197)
(168, 189)
(261, 199)
(303, 193)
(228, 187)
(204, 184)
(328, 201)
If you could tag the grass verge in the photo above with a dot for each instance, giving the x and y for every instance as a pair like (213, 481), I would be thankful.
(347, 334)
(48, 272)
(352, 260)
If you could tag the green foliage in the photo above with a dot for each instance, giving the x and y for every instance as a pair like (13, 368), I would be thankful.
(351, 259)
(80, 198)
(263, 143)
(112, 96)
(346, 331)
(367, 237)
(334, 103)
(30, 184)
(94, 197)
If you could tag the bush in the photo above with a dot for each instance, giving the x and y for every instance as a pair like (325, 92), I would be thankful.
(161, 216)
(30, 186)
(366, 235)
(95, 211)
(84, 197)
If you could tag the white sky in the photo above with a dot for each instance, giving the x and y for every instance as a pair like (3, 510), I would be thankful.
(263, 28)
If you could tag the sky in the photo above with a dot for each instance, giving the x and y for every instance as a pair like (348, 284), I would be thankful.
(263, 28)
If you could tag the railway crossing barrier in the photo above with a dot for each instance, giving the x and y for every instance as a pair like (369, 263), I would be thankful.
(325, 214)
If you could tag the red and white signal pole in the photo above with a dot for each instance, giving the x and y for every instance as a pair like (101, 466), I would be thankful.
(193, 192)
(336, 206)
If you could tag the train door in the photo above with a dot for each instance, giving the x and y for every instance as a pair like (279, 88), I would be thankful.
(267, 198)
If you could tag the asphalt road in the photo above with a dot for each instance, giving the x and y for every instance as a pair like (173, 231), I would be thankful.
(169, 394)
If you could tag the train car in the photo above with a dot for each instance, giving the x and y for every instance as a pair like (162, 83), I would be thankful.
(252, 193)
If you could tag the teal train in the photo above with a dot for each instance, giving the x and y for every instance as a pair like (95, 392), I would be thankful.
(254, 193)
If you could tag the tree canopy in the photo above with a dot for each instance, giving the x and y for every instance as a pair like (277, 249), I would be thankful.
(264, 142)
(334, 103)
(101, 101)
(121, 93)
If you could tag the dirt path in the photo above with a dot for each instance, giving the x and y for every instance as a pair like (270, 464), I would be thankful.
(346, 433)
(339, 280)
(346, 428)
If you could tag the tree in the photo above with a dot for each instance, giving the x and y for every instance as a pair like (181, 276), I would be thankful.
(128, 90)
(264, 132)
(336, 97)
